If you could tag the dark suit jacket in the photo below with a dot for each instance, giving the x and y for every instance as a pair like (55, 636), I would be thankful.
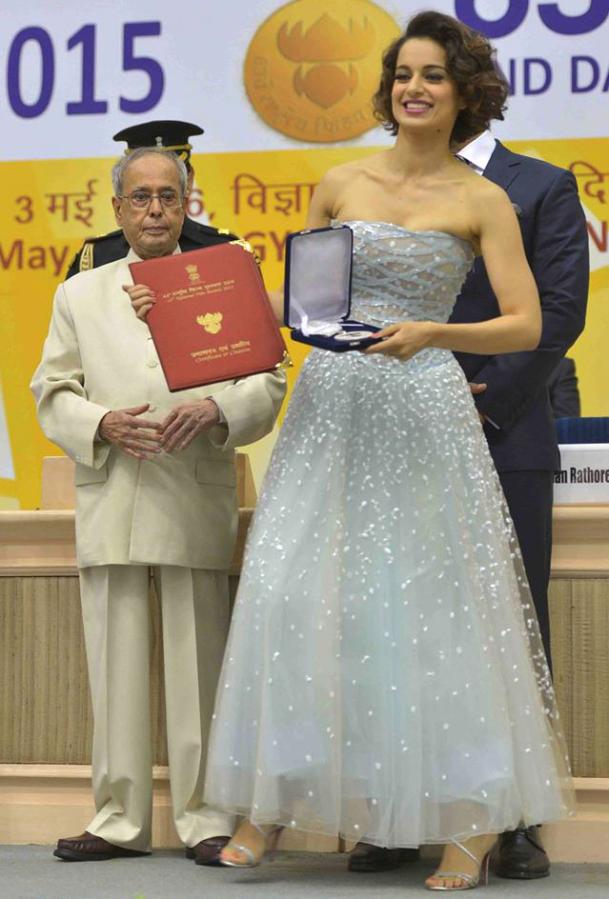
(112, 246)
(564, 393)
(556, 244)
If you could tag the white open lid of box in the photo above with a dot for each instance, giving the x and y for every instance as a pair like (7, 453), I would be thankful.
(319, 276)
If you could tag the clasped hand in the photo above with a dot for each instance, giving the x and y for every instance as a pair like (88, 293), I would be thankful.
(143, 438)
(402, 340)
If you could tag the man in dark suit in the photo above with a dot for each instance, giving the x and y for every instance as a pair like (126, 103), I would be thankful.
(169, 135)
(511, 391)
(563, 389)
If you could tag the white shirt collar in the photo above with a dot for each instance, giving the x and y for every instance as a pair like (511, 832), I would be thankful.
(479, 151)
(133, 257)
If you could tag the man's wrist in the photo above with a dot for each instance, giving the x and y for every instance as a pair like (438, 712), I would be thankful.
(221, 419)
(99, 436)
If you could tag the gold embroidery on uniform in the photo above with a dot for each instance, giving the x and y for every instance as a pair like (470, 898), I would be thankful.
(86, 258)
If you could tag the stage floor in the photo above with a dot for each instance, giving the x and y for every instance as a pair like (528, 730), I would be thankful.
(30, 872)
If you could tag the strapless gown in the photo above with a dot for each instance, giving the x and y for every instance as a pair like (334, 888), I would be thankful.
(384, 677)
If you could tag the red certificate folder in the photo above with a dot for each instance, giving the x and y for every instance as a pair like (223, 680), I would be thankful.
(212, 320)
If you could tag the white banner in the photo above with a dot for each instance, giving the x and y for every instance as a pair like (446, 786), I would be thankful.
(76, 73)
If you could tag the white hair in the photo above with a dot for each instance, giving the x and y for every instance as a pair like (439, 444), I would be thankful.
(120, 167)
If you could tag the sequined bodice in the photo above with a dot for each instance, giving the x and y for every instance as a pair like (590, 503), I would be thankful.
(401, 275)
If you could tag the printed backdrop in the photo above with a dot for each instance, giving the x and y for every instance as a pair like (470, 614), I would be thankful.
(283, 92)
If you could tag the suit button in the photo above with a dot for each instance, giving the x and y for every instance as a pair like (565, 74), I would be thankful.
(152, 363)
(151, 407)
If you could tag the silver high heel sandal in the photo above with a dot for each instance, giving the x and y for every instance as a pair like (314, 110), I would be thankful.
(469, 881)
(252, 859)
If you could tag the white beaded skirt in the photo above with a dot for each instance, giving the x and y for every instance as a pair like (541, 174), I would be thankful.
(384, 678)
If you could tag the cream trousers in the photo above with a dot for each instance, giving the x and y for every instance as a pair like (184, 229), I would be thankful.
(195, 614)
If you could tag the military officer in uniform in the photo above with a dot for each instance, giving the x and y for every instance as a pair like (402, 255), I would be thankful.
(169, 135)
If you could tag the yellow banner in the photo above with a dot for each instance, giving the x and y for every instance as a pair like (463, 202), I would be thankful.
(49, 207)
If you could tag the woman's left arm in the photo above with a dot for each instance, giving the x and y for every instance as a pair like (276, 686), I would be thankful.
(518, 327)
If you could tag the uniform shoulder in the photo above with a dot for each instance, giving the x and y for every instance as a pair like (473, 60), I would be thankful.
(117, 234)
(97, 251)
(203, 234)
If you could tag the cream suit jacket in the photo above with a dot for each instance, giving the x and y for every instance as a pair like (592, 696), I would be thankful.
(177, 509)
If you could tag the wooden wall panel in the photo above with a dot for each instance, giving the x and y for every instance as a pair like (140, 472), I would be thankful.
(579, 610)
(45, 709)
(560, 599)
(590, 685)
(45, 714)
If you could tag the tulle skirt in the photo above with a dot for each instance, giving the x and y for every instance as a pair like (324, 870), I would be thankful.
(384, 677)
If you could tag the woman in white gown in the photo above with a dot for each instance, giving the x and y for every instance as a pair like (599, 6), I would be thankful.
(384, 678)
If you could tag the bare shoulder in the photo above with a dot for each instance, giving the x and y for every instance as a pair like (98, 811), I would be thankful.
(484, 191)
(331, 189)
(346, 172)
(488, 203)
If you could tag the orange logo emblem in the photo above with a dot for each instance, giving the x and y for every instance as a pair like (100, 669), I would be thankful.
(311, 74)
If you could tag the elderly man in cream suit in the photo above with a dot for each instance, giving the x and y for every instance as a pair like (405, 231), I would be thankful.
(155, 483)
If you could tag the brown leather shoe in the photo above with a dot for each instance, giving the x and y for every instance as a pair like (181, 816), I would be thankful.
(89, 848)
(207, 852)
(366, 857)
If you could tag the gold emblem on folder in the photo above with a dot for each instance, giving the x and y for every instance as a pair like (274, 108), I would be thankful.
(193, 273)
(210, 322)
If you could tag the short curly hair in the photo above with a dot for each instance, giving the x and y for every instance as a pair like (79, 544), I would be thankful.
(470, 63)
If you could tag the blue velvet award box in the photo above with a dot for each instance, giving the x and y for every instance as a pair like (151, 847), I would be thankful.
(317, 291)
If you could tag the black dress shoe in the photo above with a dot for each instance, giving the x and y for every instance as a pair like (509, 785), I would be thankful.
(365, 857)
(89, 848)
(519, 855)
(207, 852)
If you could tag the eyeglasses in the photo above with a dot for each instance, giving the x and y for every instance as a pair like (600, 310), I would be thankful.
(141, 199)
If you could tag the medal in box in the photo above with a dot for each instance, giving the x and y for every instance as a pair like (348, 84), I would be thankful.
(317, 290)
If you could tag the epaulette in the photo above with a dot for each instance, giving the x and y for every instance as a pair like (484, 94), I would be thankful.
(209, 229)
(98, 250)
(192, 226)
(109, 235)
(86, 257)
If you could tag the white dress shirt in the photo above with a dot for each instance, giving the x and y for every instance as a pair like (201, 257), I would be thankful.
(479, 151)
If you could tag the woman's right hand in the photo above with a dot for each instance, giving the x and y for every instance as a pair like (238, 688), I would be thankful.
(403, 340)
(142, 299)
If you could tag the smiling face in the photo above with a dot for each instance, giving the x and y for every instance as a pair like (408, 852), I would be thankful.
(155, 229)
(423, 93)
